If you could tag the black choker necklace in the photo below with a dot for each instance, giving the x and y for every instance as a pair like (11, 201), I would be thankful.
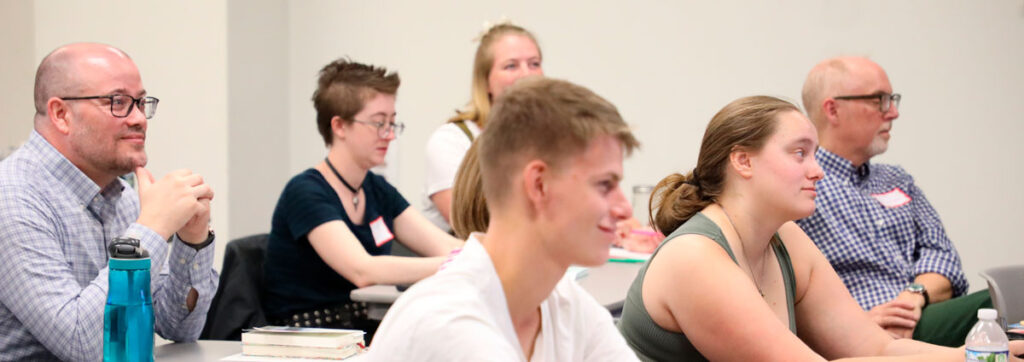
(355, 191)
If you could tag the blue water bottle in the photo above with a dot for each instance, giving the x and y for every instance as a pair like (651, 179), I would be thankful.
(128, 317)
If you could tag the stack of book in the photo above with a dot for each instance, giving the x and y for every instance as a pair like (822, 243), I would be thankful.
(295, 342)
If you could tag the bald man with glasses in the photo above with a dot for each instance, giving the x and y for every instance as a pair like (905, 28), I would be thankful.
(871, 221)
(62, 202)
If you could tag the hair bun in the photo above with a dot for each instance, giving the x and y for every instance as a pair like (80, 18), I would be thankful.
(489, 26)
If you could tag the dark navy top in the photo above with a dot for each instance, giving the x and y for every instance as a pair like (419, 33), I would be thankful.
(297, 279)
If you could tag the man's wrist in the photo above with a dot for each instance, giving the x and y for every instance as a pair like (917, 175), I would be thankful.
(164, 234)
(919, 289)
(209, 240)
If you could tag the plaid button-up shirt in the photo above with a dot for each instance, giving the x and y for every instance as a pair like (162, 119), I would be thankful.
(878, 230)
(55, 224)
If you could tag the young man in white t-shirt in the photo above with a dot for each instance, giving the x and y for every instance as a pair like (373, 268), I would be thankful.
(551, 162)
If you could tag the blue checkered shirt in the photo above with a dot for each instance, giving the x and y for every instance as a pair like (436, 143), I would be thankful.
(55, 224)
(878, 250)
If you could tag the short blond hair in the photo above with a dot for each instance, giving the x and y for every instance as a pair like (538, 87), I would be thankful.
(547, 119)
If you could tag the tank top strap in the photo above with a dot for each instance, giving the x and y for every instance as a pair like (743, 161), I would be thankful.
(465, 129)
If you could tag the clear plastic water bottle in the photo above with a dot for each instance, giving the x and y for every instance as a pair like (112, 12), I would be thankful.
(987, 342)
(128, 317)
(641, 203)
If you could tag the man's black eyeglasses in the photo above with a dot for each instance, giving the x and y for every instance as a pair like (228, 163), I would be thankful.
(121, 105)
(885, 100)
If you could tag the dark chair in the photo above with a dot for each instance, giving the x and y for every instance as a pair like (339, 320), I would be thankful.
(1006, 285)
(399, 249)
(238, 302)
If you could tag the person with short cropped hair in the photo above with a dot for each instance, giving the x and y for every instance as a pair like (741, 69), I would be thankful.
(62, 202)
(334, 224)
(551, 162)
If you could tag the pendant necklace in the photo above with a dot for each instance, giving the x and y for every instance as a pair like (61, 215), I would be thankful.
(749, 265)
(355, 191)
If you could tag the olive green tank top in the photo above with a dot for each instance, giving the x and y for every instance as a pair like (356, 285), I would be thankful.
(653, 343)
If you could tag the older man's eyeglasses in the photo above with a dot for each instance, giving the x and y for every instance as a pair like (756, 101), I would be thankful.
(885, 100)
(384, 128)
(121, 105)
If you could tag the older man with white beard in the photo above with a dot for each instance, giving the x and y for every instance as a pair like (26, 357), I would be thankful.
(873, 223)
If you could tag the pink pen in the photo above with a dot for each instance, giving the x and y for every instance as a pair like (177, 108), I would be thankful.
(644, 232)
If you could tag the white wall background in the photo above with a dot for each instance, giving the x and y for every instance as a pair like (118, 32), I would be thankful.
(257, 108)
(242, 72)
(17, 73)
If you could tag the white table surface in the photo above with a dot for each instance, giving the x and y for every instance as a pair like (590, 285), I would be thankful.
(209, 351)
(607, 283)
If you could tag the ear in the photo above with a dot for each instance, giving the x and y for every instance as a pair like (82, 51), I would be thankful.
(338, 127)
(534, 184)
(831, 113)
(60, 115)
(741, 161)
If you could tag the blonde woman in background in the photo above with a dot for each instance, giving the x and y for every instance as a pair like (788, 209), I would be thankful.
(506, 53)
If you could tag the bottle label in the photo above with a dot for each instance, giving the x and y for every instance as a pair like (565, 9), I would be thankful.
(989, 355)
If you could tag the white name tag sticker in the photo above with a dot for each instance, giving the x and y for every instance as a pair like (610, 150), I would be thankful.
(381, 234)
(892, 199)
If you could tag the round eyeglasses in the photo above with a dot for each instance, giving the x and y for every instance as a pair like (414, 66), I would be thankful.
(121, 105)
(384, 128)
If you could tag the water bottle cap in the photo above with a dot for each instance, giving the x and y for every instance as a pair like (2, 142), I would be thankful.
(127, 254)
(987, 314)
(127, 248)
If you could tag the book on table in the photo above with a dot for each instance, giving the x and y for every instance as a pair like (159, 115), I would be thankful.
(302, 342)
(270, 350)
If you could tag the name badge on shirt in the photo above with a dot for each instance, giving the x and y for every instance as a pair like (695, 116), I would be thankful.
(381, 234)
(892, 199)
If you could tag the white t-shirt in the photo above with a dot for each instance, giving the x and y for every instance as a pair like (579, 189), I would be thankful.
(445, 150)
(460, 314)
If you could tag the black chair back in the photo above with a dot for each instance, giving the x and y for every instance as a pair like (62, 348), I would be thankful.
(238, 302)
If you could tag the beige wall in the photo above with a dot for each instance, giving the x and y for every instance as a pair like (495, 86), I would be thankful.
(257, 109)
(668, 66)
(17, 73)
